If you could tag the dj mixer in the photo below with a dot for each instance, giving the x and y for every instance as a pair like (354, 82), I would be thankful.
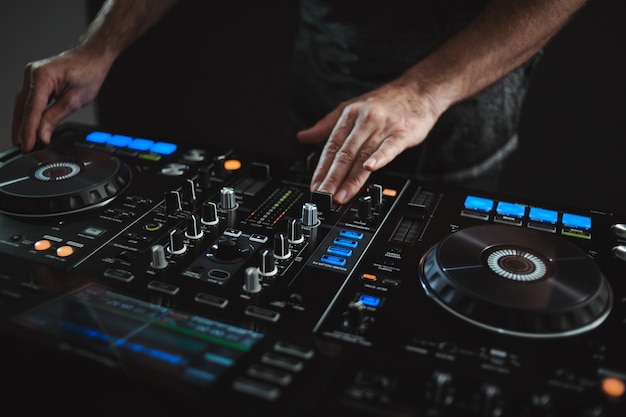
(215, 280)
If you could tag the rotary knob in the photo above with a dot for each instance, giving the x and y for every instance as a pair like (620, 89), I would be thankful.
(294, 231)
(193, 227)
(209, 213)
(364, 210)
(376, 192)
(309, 215)
(157, 253)
(177, 243)
(228, 199)
(252, 283)
(268, 267)
(172, 202)
(281, 246)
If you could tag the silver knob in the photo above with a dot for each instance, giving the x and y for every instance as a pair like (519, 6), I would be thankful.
(309, 215)
(252, 283)
(228, 199)
(159, 261)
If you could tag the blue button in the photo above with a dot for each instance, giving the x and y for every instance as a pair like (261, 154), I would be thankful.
(139, 144)
(346, 242)
(478, 203)
(351, 234)
(574, 220)
(510, 209)
(543, 215)
(336, 250)
(334, 260)
(119, 141)
(98, 137)
(163, 148)
(369, 300)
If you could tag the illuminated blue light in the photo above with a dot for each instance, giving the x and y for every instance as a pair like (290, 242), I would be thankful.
(370, 300)
(574, 220)
(543, 215)
(510, 209)
(478, 203)
(98, 137)
(119, 141)
(163, 148)
(139, 144)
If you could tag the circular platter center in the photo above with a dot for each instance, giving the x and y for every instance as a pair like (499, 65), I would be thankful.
(516, 281)
(55, 182)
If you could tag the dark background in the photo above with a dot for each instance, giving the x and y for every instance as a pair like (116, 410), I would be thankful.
(571, 146)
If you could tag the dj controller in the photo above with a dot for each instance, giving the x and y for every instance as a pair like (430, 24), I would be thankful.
(218, 281)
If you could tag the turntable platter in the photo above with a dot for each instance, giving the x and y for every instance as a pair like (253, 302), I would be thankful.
(516, 281)
(53, 182)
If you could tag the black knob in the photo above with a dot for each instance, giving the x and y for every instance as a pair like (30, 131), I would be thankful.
(228, 249)
(376, 192)
(281, 246)
(189, 190)
(268, 267)
(193, 227)
(364, 210)
(204, 177)
(218, 166)
(209, 213)
(354, 316)
(177, 242)
(172, 202)
(294, 231)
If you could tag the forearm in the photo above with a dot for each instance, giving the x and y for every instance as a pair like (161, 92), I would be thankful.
(119, 23)
(501, 38)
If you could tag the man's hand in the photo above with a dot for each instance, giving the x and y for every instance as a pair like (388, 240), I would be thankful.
(365, 134)
(52, 89)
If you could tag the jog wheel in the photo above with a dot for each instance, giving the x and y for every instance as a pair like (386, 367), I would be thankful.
(56, 182)
(516, 281)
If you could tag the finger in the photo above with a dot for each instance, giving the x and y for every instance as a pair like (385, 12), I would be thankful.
(384, 154)
(63, 106)
(39, 94)
(356, 148)
(328, 172)
(352, 184)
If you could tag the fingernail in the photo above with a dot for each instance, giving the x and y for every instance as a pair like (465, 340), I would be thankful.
(341, 194)
(315, 186)
(370, 163)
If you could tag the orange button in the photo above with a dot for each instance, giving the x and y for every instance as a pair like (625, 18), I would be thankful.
(370, 277)
(64, 251)
(232, 164)
(43, 244)
(390, 192)
(613, 387)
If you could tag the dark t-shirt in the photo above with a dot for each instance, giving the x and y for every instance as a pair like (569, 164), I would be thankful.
(344, 48)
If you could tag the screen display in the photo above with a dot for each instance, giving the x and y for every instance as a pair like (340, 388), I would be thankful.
(136, 333)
